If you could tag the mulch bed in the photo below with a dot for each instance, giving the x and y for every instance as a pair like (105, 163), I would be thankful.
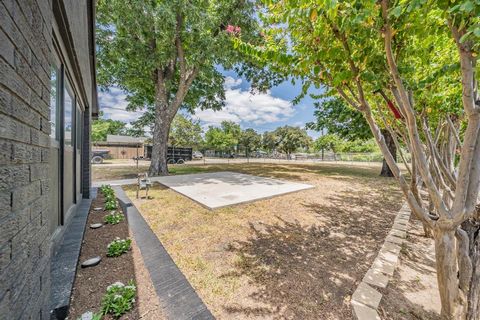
(91, 283)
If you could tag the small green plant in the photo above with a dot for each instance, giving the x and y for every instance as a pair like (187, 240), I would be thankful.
(111, 204)
(119, 298)
(113, 217)
(109, 194)
(106, 189)
(118, 247)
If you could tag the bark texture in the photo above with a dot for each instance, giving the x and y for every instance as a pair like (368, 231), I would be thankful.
(158, 165)
(386, 171)
(472, 230)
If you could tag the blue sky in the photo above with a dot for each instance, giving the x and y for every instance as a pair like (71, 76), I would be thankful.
(262, 112)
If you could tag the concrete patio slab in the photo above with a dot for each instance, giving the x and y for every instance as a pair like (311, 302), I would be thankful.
(220, 189)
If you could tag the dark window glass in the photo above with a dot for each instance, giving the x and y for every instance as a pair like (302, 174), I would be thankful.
(79, 127)
(69, 105)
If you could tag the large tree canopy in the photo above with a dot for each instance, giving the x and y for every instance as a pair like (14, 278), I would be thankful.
(225, 138)
(286, 139)
(185, 132)
(340, 119)
(250, 140)
(165, 55)
(103, 127)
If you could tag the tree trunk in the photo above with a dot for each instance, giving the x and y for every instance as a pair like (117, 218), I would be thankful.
(386, 172)
(472, 228)
(448, 285)
(158, 165)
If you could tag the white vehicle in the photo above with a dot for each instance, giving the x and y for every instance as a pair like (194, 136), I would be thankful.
(197, 155)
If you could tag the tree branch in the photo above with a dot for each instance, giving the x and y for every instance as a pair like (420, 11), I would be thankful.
(411, 120)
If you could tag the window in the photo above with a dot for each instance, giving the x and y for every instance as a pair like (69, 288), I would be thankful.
(79, 127)
(69, 99)
(54, 101)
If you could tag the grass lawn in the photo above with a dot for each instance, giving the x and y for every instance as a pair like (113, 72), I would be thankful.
(296, 256)
(103, 173)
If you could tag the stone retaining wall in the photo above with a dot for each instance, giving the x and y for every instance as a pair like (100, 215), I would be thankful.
(366, 298)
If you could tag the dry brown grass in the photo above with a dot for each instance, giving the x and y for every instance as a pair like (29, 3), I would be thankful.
(296, 256)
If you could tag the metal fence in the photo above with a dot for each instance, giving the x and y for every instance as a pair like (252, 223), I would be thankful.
(297, 158)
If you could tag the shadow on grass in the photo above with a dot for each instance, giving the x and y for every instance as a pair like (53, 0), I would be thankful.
(310, 272)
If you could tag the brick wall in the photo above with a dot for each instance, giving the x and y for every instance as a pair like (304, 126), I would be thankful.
(25, 59)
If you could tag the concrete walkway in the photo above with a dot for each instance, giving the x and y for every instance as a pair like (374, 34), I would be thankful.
(219, 189)
(178, 298)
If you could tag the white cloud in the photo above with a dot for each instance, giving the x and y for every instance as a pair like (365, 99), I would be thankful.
(298, 124)
(231, 83)
(243, 106)
(113, 104)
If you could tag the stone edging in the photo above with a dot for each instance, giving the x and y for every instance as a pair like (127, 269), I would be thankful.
(177, 297)
(366, 298)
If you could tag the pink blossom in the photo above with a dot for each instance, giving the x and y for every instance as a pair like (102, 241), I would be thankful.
(230, 29)
(233, 29)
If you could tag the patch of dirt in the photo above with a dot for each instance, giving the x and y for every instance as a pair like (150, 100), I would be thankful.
(412, 294)
(295, 256)
(91, 283)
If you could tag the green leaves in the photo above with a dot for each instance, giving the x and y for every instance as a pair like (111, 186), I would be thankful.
(103, 127)
(396, 11)
(467, 6)
(118, 247)
(119, 299)
(185, 132)
(287, 139)
(138, 40)
(224, 138)
(337, 118)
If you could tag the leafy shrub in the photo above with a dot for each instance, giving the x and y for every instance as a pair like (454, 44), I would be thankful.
(113, 217)
(111, 204)
(118, 247)
(109, 194)
(119, 298)
(106, 189)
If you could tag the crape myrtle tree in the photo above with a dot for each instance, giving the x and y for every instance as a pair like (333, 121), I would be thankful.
(410, 66)
(165, 55)
(338, 118)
